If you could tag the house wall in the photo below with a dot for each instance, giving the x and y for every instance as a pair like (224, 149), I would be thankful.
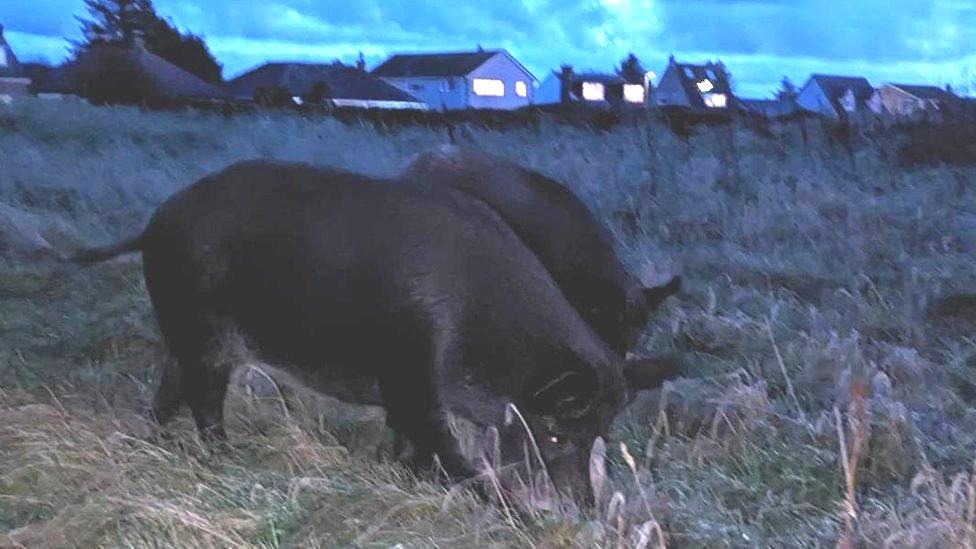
(876, 105)
(436, 93)
(899, 103)
(813, 98)
(549, 91)
(379, 104)
(504, 68)
(11, 86)
(53, 96)
(670, 92)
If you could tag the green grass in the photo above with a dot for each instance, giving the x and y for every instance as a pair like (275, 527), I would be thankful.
(815, 280)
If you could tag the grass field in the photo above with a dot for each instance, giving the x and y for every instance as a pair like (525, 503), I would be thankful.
(827, 326)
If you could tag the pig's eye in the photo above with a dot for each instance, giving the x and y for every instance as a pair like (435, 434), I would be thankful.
(554, 439)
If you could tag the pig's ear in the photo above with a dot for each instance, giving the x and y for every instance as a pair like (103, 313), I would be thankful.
(649, 373)
(654, 296)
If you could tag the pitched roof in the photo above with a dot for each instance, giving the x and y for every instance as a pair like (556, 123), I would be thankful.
(168, 81)
(836, 86)
(9, 66)
(434, 64)
(172, 81)
(298, 79)
(923, 92)
(691, 75)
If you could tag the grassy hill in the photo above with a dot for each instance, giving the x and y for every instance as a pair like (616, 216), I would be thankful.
(827, 325)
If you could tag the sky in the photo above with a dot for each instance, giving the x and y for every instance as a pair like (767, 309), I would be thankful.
(760, 41)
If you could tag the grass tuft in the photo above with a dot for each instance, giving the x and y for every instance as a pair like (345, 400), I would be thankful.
(825, 325)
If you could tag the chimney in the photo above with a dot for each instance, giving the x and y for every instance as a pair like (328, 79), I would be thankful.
(565, 83)
(361, 63)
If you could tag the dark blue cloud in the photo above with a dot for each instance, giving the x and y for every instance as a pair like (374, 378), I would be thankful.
(760, 40)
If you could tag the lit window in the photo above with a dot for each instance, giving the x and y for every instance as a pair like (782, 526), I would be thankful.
(488, 87)
(634, 93)
(593, 91)
(521, 89)
(849, 101)
(706, 86)
(297, 100)
(716, 100)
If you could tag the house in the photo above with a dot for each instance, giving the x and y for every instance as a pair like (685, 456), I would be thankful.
(13, 82)
(590, 88)
(840, 97)
(98, 73)
(482, 79)
(702, 88)
(908, 101)
(342, 85)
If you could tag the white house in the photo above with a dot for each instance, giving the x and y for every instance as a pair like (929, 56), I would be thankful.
(589, 88)
(482, 79)
(836, 96)
(700, 88)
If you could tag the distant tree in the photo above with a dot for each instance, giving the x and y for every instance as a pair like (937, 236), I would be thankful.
(111, 22)
(787, 90)
(726, 74)
(187, 51)
(119, 22)
(631, 69)
(108, 76)
(320, 93)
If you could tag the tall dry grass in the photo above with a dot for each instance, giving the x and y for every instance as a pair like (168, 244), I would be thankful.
(826, 327)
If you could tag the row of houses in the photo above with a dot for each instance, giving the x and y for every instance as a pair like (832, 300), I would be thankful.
(479, 79)
(707, 87)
